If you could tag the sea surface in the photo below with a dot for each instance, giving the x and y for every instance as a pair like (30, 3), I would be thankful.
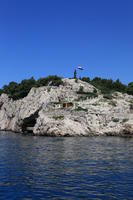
(65, 167)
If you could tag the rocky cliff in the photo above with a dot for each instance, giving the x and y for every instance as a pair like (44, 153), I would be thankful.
(75, 108)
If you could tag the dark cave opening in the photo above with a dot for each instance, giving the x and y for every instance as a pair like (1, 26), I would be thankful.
(29, 123)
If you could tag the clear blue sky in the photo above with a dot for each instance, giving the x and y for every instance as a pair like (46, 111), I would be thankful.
(42, 37)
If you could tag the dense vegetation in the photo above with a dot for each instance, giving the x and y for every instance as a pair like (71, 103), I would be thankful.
(20, 90)
(107, 86)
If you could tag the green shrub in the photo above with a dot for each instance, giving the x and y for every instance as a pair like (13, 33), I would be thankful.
(129, 89)
(56, 103)
(81, 90)
(85, 79)
(131, 106)
(49, 89)
(95, 104)
(112, 103)
(115, 120)
(1, 91)
(76, 80)
(60, 117)
(91, 95)
(81, 109)
(95, 91)
(125, 120)
(107, 96)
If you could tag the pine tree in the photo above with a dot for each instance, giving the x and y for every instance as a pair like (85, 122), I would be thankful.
(75, 74)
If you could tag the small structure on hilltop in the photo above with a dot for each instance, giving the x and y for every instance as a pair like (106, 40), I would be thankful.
(62, 105)
(67, 104)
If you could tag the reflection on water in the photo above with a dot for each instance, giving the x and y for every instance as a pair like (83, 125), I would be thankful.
(65, 168)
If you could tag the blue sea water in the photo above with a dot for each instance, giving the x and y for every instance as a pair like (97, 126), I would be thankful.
(65, 167)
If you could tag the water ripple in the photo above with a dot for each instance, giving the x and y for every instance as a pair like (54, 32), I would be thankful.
(65, 168)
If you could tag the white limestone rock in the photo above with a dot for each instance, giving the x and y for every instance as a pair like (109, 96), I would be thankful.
(95, 116)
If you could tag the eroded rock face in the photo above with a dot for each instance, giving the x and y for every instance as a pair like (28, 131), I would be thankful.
(61, 111)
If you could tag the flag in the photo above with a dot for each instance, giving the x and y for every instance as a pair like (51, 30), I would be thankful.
(81, 68)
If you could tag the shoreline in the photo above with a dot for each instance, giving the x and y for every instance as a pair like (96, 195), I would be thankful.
(60, 136)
